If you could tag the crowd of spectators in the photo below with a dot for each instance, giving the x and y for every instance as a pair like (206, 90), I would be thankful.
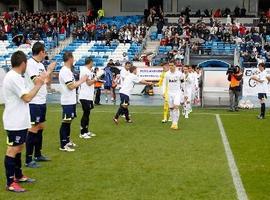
(127, 34)
(250, 37)
(198, 33)
(237, 12)
(35, 26)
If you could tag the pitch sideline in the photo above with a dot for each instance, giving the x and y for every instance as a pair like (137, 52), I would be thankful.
(239, 187)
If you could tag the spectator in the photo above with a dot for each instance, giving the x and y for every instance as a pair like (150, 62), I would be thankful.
(237, 11)
(62, 30)
(128, 36)
(101, 13)
(3, 36)
(243, 12)
(108, 78)
(217, 13)
(159, 26)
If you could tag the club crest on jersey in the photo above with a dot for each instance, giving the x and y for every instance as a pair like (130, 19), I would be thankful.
(17, 139)
(37, 119)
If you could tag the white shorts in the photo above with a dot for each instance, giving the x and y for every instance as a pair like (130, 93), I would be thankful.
(188, 95)
(174, 100)
(182, 99)
(193, 94)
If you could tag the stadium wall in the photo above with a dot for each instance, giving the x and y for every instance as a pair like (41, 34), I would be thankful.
(60, 5)
(129, 7)
(114, 7)
(22, 5)
(209, 4)
(3, 7)
(81, 8)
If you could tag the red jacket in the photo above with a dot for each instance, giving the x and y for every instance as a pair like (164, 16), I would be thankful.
(217, 13)
(242, 30)
(62, 30)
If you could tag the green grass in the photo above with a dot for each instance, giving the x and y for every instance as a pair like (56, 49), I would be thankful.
(148, 161)
(250, 142)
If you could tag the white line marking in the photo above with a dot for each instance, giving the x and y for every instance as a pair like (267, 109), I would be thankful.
(240, 190)
(150, 113)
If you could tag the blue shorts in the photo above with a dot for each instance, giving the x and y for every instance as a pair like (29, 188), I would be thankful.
(16, 138)
(69, 112)
(124, 99)
(262, 96)
(37, 113)
(107, 87)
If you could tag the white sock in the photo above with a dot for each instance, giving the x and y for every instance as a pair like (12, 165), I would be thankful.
(172, 115)
(184, 109)
(190, 108)
(187, 108)
(176, 116)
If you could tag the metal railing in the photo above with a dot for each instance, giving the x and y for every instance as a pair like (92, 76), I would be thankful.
(253, 64)
(211, 51)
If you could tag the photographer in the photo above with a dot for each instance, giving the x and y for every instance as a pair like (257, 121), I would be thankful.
(234, 76)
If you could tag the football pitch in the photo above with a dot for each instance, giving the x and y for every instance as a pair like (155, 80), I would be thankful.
(146, 160)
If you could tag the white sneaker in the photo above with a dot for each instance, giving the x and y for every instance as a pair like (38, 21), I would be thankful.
(66, 148)
(71, 144)
(91, 134)
(164, 121)
(85, 136)
(125, 116)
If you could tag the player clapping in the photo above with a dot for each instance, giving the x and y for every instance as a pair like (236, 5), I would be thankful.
(86, 96)
(68, 101)
(16, 98)
(37, 106)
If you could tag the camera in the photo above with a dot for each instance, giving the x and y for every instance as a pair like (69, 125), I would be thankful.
(231, 70)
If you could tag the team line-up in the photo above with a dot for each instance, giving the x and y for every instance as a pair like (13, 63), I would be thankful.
(24, 91)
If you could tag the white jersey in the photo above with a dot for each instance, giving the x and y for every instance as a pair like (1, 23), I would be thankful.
(123, 74)
(188, 84)
(87, 92)
(128, 83)
(194, 80)
(262, 87)
(68, 97)
(16, 114)
(198, 77)
(33, 70)
(172, 82)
